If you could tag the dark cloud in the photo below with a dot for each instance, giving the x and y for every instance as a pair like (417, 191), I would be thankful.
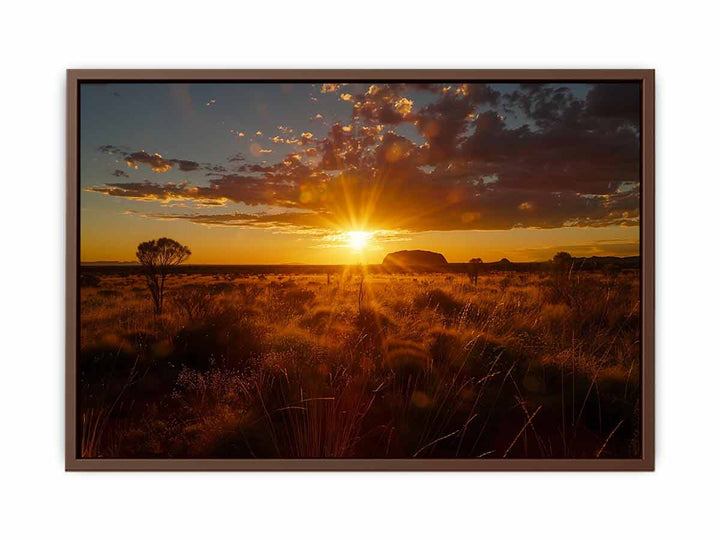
(185, 165)
(213, 169)
(156, 162)
(111, 149)
(564, 157)
(119, 173)
(576, 162)
(479, 94)
(441, 124)
(615, 101)
(543, 104)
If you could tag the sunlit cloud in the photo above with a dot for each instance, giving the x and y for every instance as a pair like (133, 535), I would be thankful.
(328, 88)
(154, 161)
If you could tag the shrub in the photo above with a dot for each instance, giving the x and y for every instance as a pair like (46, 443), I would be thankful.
(406, 358)
(89, 280)
(195, 302)
(439, 300)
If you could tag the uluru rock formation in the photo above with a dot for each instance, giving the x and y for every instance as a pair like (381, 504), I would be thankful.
(413, 259)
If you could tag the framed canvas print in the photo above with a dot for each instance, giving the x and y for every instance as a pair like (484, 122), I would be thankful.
(360, 270)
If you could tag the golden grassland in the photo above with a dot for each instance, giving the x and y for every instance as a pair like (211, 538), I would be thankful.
(523, 364)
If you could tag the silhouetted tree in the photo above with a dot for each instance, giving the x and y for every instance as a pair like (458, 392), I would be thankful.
(157, 257)
(562, 259)
(473, 269)
(562, 268)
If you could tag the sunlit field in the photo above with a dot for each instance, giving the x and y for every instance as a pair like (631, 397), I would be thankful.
(426, 365)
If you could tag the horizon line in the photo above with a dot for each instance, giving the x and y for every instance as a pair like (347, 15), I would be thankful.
(136, 263)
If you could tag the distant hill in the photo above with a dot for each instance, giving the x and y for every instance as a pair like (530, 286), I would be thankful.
(602, 262)
(579, 263)
(417, 258)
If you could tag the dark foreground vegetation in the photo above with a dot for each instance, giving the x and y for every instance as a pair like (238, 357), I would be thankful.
(534, 361)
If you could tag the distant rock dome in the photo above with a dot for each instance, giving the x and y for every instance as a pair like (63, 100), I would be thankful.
(414, 259)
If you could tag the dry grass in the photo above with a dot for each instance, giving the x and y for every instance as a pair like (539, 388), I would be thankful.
(521, 365)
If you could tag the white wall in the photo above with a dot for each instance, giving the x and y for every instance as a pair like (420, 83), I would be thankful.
(39, 42)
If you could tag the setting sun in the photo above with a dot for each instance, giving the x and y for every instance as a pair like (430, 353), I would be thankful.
(357, 240)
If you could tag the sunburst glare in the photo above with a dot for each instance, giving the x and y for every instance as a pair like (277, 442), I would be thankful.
(358, 240)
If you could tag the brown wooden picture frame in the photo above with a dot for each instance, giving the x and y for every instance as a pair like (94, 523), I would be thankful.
(647, 284)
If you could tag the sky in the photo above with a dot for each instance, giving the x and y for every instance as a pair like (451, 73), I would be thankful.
(336, 173)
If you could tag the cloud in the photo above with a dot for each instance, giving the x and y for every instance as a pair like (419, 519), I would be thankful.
(329, 88)
(478, 94)
(277, 139)
(185, 165)
(296, 221)
(154, 161)
(257, 150)
(442, 123)
(119, 173)
(382, 104)
(615, 101)
(152, 191)
(111, 149)
(538, 156)
(157, 163)
(394, 194)
(214, 169)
